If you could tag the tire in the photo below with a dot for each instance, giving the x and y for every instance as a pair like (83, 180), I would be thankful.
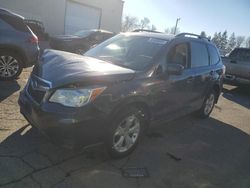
(11, 65)
(125, 132)
(208, 105)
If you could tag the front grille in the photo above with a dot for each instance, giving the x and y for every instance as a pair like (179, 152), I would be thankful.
(37, 88)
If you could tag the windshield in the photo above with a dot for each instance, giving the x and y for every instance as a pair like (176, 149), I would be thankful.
(83, 33)
(134, 52)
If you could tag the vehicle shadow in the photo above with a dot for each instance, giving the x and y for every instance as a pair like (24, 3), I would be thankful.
(188, 152)
(195, 153)
(7, 88)
(240, 95)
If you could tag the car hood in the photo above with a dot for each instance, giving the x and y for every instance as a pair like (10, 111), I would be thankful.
(63, 68)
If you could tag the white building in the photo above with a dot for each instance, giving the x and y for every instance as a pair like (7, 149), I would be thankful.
(69, 16)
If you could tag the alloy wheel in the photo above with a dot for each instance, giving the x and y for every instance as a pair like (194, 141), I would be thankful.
(209, 104)
(9, 66)
(126, 134)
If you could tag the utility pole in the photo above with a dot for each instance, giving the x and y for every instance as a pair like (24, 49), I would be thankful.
(177, 20)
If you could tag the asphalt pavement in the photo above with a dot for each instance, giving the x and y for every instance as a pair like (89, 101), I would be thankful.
(188, 152)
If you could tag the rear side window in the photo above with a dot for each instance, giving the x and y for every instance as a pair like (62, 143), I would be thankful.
(234, 53)
(199, 55)
(3, 25)
(16, 23)
(214, 56)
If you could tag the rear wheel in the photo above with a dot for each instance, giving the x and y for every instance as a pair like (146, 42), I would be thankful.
(11, 65)
(125, 132)
(208, 105)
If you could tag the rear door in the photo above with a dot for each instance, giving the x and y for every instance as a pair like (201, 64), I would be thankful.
(200, 64)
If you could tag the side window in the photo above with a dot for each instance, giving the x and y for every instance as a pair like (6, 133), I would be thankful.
(214, 56)
(244, 55)
(199, 55)
(3, 25)
(16, 23)
(179, 55)
(234, 54)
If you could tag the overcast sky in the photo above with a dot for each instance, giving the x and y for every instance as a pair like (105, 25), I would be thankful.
(196, 15)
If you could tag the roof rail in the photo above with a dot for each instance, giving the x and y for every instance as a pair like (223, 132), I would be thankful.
(191, 34)
(146, 30)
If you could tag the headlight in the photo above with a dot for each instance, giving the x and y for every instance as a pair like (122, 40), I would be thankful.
(76, 97)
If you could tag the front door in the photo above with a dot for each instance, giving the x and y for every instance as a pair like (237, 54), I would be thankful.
(175, 91)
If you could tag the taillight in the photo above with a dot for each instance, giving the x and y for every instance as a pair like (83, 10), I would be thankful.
(33, 39)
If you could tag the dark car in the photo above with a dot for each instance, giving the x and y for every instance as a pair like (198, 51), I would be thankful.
(18, 45)
(80, 41)
(120, 87)
(38, 28)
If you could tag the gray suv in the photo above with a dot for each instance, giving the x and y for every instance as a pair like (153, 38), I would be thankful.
(18, 45)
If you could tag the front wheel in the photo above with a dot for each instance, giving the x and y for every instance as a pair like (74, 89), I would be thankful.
(125, 132)
(208, 105)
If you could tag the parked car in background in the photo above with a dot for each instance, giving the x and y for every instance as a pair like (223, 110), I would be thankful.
(80, 41)
(38, 28)
(237, 66)
(18, 45)
(121, 86)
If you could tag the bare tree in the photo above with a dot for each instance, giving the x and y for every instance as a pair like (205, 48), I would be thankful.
(239, 41)
(171, 30)
(129, 23)
(231, 43)
(248, 42)
(224, 41)
(144, 23)
(167, 31)
(153, 28)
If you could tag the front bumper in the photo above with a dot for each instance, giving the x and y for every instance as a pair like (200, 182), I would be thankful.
(235, 80)
(77, 128)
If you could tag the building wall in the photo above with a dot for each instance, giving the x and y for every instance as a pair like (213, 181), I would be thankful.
(52, 12)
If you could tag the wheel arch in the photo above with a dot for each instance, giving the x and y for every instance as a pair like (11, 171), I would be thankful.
(138, 102)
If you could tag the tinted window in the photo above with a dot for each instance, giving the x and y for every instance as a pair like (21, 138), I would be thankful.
(4, 25)
(179, 55)
(135, 52)
(199, 55)
(234, 53)
(16, 23)
(244, 55)
(214, 56)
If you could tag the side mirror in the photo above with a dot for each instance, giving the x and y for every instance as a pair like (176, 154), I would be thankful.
(175, 69)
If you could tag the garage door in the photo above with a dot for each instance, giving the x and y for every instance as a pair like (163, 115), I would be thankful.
(79, 17)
